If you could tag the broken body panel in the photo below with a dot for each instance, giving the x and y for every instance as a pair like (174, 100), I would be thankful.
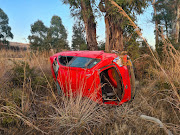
(93, 74)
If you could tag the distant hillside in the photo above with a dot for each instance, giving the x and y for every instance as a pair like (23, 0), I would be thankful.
(15, 46)
(20, 45)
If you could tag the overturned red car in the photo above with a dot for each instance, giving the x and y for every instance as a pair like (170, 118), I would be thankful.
(103, 77)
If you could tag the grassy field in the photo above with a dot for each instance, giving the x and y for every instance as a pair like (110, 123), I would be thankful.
(29, 103)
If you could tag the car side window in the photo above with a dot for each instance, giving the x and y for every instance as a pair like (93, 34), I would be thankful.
(93, 63)
(80, 62)
(65, 60)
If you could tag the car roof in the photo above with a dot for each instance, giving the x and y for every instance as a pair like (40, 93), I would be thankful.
(88, 54)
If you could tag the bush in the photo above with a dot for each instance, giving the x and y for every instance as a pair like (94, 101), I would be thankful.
(22, 73)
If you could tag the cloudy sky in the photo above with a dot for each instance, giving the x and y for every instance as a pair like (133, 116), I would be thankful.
(23, 13)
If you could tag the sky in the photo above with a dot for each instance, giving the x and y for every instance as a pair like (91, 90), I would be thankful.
(23, 13)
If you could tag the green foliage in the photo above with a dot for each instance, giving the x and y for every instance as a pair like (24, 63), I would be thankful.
(132, 46)
(5, 29)
(78, 38)
(131, 7)
(58, 28)
(133, 51)
(44, 38)
(76, 9)
(101, 45)
(120, 31)
(165, 13)
(39, 32)
(8, 121)
(22, 72)
(17, 95)
(143, 49)
(57, 33)
(166, 16)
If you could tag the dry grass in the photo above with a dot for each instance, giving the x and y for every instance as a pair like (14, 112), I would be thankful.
(29, 103)
(39, 110)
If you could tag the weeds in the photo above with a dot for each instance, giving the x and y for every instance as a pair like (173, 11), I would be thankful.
(28, 102)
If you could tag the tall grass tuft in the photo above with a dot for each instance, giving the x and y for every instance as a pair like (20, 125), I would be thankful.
(32, 105)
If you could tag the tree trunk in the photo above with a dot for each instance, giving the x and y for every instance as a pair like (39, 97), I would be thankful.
(90, 24)
(114, 33)
(107, 48)
(177, 24)
(156, 24)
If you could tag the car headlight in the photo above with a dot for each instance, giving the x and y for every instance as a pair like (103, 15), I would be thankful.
(118, 61)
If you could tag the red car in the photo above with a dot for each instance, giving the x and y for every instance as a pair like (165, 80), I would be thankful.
(103, 77)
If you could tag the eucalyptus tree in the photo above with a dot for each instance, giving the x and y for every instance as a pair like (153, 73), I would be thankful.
(156, 22)
(57, 34)
(117, 26)
(82, 9)
(175, 4)
(39, 33)
(45, 38)
(167, 21)
(78, 37)
(5, 29)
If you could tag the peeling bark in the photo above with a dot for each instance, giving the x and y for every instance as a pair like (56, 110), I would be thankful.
(107, 48)
(156, 23)
(177, 24)
(114, 32)
(90, 25)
